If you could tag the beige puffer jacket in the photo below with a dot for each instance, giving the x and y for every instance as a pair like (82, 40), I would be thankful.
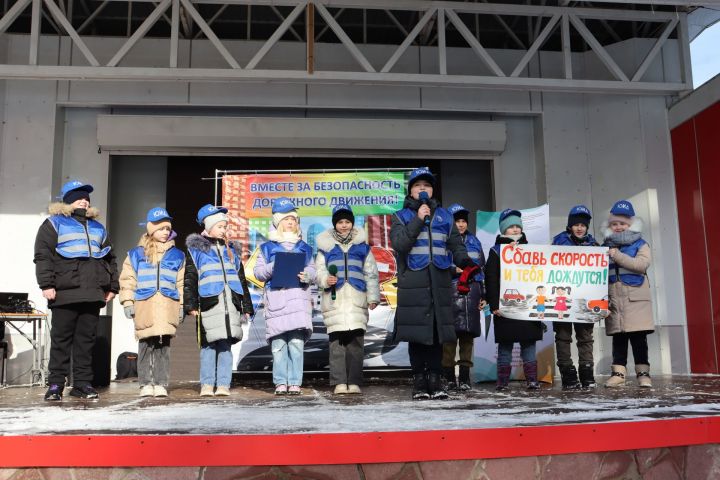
(631, 307)
(157, 315)
(349, 310)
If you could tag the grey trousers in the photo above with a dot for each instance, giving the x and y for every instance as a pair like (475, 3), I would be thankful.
(563, 339)
(347, 351)
(154, 361)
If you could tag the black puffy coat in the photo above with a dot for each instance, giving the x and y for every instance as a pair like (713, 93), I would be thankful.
(192, 299)
(75, 280)
(424, 311)
(507, 330)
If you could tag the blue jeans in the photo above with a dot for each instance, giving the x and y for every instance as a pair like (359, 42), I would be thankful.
(216, 364)
(287, 351)
(504, 352)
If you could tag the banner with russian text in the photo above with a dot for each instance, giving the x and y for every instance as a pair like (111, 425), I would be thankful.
(374, 196)
(561, 284)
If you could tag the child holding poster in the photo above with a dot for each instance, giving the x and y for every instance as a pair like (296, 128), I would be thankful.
(508, 331)
(631, 318)
(575, 234)
(347, 272)
(466, 307)
(288, 310)
(151, 289)
(217, 294)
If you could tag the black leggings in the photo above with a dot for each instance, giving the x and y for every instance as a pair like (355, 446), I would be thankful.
(638, 341)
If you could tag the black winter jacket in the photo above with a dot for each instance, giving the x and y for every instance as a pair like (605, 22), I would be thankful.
(424, 311)
(191, 298)
(75, 280)
(506, 330)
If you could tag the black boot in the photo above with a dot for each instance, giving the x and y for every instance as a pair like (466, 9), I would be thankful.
(435, 389)
(420, 387)
(449, 376)
(503, 377)
(587, 380)
(569, 378)
(84, 391)
(464, 383)
(531, 375)
(54, 393)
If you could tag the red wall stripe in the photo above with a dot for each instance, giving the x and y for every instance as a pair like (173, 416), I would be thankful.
(703, 352)
(708, 151)
(343, 448)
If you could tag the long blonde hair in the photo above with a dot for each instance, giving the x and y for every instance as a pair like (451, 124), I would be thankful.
(152, 255)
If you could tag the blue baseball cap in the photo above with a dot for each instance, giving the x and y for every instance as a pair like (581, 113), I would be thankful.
(623, 207)
(580, 210)
(509, 212)
(457, 208)
(422, 173)
(341, 207)
(207, 210)
(282, 205)
(73, 185)
(579, 214)
(157, 214)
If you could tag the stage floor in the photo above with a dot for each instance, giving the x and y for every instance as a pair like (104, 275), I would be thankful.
(385, 406)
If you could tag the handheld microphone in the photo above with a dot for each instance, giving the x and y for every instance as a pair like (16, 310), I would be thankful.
(332, 269)
(425, 199)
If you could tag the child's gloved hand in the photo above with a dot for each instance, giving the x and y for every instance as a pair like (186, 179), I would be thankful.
(129, 311)
(304, 277)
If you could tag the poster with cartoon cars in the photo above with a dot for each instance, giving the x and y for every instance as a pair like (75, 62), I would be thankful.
(553, 283)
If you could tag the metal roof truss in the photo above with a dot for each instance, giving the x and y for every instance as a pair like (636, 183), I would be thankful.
(435, 20)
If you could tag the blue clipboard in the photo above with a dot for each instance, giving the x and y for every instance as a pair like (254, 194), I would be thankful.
(286, 269)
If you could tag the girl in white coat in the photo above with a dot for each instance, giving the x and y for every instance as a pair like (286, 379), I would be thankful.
(349, 291)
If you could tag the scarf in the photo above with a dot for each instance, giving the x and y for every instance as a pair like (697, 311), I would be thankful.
(343, 240)
(615, 240)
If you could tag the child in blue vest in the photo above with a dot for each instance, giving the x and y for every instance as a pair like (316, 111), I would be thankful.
(216, 293)
(347, 296)
(76, 271)
(507, 331)
(575, 234)
(427, 243)
(466, 307)
(151, 288)
(288, 311)
(631, 316)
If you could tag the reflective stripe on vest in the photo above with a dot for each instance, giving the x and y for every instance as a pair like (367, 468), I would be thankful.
(627, 277)
(355, 258)
(270, 248)
(422, 253)
(474, 249)
(215, 271)
(76, 240)
(148, 280)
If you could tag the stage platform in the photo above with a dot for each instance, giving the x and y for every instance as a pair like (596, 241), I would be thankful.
(671, 430)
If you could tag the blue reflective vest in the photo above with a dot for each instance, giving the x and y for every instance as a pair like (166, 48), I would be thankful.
(76, 240)
(153, 278)
(270, 248)
(475, 252)
(563, 238)
(214, 271)
(422, 253)
(349, 264)
(627, 277)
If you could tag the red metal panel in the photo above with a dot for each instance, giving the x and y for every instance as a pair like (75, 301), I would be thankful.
(703, 352)
(344, 448)
(707, 130)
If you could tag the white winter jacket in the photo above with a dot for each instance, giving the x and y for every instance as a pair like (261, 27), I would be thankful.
(349, 310)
